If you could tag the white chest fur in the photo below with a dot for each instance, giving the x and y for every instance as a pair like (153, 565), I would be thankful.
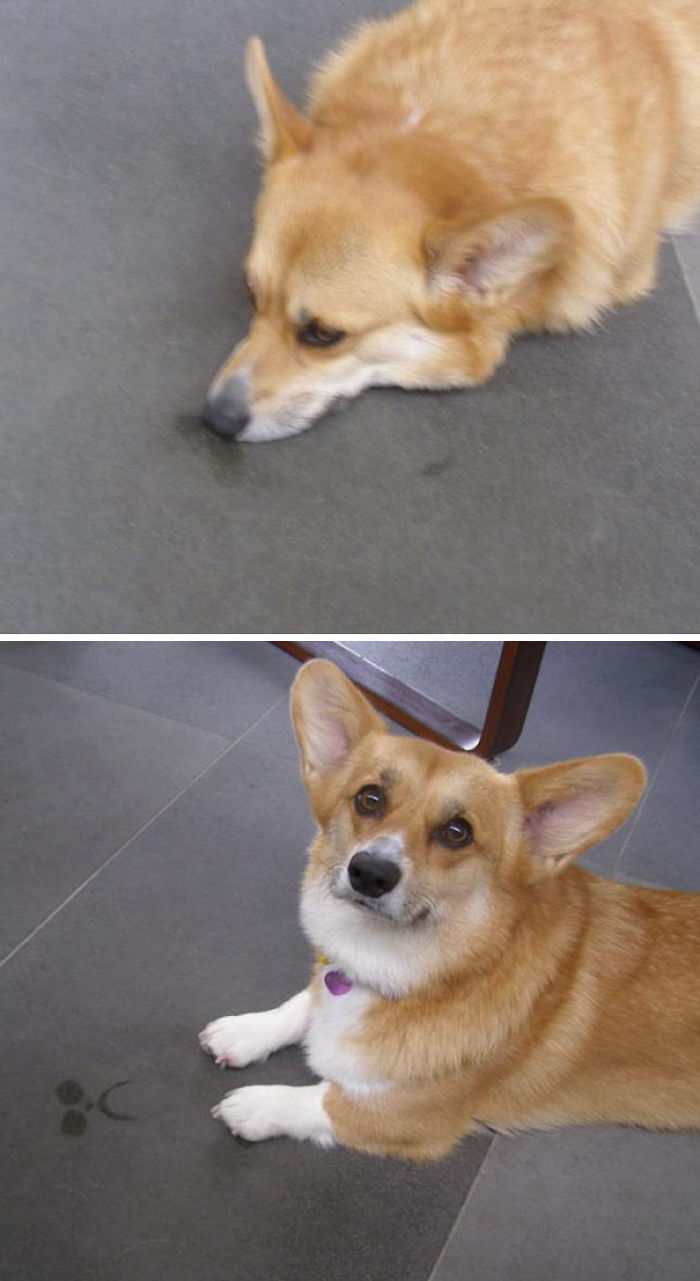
(329, 1052)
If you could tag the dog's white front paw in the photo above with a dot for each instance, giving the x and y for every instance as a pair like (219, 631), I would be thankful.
(263, 1111)
(241, 1039)
(237, 1040)
(252, 1113)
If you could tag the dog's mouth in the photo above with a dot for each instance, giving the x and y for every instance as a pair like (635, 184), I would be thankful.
(407, 915)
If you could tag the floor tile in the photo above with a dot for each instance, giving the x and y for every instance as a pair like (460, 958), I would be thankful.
(79, 775)
(664, 846)
(585, 1204)
(219, 686)
(197, 918)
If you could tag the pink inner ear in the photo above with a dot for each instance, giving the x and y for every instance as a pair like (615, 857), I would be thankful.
(485, 267)
(327, 744)
(558, 827)
(335, 744)
(502, 261)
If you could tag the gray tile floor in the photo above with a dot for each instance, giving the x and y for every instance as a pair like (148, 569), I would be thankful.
(153, 834)
(561, 496)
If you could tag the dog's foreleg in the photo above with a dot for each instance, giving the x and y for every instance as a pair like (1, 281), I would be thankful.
(241, 1039)
(419, 1122)
(411, 1123)
(267, 1111)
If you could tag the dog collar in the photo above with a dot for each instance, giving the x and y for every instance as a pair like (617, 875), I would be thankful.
(336, 982)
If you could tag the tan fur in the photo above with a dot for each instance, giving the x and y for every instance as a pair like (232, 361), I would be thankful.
(560, 997)
(468, 169)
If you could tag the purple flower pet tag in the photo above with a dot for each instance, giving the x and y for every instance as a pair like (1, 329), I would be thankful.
(337, 982)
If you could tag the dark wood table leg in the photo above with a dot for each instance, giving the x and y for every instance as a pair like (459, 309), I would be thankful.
(511, 692)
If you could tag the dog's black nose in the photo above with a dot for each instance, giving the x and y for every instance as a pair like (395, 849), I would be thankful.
(227, 412)
(372, 875)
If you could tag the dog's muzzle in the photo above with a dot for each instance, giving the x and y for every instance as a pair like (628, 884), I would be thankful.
(227, 409)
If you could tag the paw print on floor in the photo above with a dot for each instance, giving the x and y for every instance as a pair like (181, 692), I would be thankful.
(72, 1096)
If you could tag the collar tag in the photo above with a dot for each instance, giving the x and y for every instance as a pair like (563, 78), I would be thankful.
(337, 982)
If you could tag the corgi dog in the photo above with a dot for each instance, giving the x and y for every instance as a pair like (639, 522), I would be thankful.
(467, 972)
(468, 169)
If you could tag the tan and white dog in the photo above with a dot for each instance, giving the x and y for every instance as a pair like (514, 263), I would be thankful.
(467, 972)
(468, 169)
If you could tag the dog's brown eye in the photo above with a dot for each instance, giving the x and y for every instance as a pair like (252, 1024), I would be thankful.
(370, 800)
(455, 834)
(316, 335)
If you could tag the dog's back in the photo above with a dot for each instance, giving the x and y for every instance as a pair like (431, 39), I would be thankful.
(614, 1038)
(595, 102)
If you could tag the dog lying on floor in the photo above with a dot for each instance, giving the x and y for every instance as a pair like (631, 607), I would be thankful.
(467, 972)
(469, 169)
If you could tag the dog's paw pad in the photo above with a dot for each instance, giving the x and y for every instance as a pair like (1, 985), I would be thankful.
(237, 1040)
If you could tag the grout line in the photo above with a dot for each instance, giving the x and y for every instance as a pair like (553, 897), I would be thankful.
(109, 698)
(694, 300)
(461, 1213)
(144, 827)
(652, 780)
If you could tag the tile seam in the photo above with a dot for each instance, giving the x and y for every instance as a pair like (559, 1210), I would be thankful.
(694, 300)
(120, 702)
(134, 837)
(461, 1213)
(654, 776)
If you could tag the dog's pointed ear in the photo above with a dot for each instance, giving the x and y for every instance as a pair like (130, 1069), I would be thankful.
(568, 808)
(330, 716)
(284, 131)
(487, 261)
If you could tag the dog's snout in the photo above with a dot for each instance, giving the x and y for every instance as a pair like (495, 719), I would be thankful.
(227, 411)
(371, 875)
